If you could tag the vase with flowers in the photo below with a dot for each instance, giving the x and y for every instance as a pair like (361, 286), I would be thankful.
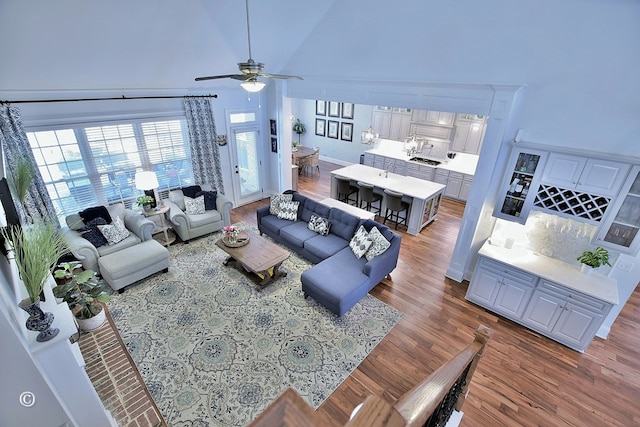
(231, 233)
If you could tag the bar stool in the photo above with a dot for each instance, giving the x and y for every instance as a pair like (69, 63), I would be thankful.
(345, 190)
(368, 196)
(395, 205)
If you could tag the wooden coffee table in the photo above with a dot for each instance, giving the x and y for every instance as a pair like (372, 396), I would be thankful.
(259, 260)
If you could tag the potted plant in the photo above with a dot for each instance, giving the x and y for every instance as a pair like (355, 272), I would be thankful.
(36, 248)
(593, 259)
(83, 292)
(299, 128)
(145, 201)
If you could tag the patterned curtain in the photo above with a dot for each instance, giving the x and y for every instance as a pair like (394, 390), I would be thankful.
(14, 143)
(205, 153)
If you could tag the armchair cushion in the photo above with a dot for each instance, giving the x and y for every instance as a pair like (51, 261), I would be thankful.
(115, 232)
(95, 212)
(92, 233)
(191, 190)
(209, 199)
(194, 206)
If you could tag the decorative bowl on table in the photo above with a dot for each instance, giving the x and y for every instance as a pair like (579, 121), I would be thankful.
(241, 240)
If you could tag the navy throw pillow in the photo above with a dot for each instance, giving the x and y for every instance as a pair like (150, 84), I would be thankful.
(191, 191)
(92, 233)
(209, 199)
(90, 214)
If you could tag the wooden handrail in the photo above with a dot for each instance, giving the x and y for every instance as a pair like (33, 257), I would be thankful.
(414, 408)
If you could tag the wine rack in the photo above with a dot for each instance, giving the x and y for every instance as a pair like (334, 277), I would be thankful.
(582, 205)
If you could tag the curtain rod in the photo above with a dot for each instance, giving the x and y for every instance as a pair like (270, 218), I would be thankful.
(107, 99)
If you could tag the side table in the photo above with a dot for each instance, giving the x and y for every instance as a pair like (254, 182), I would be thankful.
(164, 228)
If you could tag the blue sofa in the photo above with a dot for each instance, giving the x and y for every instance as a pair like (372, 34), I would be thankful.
(339, 279)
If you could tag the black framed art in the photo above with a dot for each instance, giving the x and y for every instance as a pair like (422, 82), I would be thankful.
(334, 109)
(320, 127)
(332, 129)
(321, 108)
(347, 110)
(274, 145)
(346, 132)
(272, 126)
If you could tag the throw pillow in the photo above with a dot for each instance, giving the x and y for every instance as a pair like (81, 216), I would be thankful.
(289, 210)
(319, 225)
(360, 242)
(276, 200)
(91, 232)
(209, 199)
(92, 213)
(194, 206)
(115, 232)
(379, 244)
(191, 191)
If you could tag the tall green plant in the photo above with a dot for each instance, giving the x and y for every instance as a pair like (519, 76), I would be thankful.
(299, 128)
(36, 248)
(21, 179)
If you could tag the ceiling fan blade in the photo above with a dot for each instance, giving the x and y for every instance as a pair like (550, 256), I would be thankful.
(222, 76)
(280, 76)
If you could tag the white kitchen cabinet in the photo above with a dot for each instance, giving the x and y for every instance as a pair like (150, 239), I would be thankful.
(381, 121)
(391, 123)
(399, 128)
(369, 159)
(469, 134)
(588, 175)
(466, 187)
(501, 288)
(441, 118)
(513, 284)
(379, 161)
(454, 185)
(420, 171)
(619, 231)
(441, 176)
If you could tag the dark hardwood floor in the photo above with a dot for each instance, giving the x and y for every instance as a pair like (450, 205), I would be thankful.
(524, 378)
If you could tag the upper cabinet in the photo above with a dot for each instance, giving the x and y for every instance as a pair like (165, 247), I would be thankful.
(440, 118)
(586, 175)
(620, 230)
(469, 133)
(391, 123)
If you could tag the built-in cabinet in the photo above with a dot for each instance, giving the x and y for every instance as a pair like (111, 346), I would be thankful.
(440, 118)
(555, 310)
(420, 171)
(620, 229)
(391, 123)
(469, 133)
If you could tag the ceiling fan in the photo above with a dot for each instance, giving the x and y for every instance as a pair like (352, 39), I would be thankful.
(250, 70)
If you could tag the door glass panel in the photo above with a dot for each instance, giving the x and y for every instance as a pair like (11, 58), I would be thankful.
(247, 161)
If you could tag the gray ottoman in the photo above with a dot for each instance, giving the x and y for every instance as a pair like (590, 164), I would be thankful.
(129, 265)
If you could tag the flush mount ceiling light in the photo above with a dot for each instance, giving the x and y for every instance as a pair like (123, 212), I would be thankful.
(253, 85)
(369, 136)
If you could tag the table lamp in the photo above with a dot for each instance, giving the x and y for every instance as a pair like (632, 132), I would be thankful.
(147, 180)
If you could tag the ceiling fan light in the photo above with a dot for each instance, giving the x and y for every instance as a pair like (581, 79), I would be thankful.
(253, 86)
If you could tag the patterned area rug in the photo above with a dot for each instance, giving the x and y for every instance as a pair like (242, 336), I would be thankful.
(213, 349)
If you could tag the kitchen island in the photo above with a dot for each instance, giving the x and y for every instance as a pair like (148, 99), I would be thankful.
(423, 196)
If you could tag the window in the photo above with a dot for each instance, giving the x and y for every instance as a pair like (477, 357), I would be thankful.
(96, 165)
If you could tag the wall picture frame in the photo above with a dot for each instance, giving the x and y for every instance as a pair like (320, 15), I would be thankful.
(333, 129)
(347, 110)
(334, 109)
(346, 131)
(320, 127)
(273, 127)
(321, 108)
(274, 144)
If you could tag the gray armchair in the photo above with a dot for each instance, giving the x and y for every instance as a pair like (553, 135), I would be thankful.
(189, 226)
(88, 254)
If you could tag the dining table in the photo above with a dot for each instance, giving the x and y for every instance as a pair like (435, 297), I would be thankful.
(300, 151)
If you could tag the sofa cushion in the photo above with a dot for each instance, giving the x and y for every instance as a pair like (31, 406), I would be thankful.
(114, 232)
(379, 244)
(191, 190)
(297, 233)
(343, 224)
(311, 207)
(325, 246)
(319, 225)
(360, 242)
(95, 212)
(289, 210)
(271, 224)
(276, 200)
(194, 206)
(209, 199)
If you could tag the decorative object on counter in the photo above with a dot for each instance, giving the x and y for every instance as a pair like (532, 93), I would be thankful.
(593, 259)
(299, 128)
(369, 136)
(84, 293)
(145, 201)
(148, 180)
(36, 249)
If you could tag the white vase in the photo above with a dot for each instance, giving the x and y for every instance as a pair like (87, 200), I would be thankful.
(92, 323)
(586, 269)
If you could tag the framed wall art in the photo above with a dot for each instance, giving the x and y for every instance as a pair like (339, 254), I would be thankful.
(346, 131)
(347, 110)
(274, 145)
(321, 108)
(332, 129)
(334, 109)
(272, 126)
(320, 127)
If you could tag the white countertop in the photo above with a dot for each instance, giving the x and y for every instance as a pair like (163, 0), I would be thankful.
(407, 185)
(462, 163)
(570, 276)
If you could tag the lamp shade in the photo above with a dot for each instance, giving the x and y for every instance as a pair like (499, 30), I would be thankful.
(146, 180)
(253, 85)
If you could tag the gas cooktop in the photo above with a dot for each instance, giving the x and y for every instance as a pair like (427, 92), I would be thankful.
(425, 161)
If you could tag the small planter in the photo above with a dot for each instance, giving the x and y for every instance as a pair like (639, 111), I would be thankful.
(92, 323)
(586, 269)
